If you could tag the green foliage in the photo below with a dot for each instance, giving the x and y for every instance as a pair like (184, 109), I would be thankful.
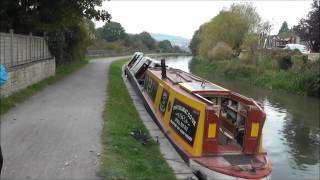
(195, 41)
(146, 39)
(248, 13)
(251, 42)
(112, 37)
(228, 27)
(241, 29)
(308, 29)
(113, 31)
(66, 23)
(284, 31)
(165, 46)
(123, 157)
(308, 77)
(222, 51)
(285, 62)
(238, 27)
(39, 16)
(302, 77)
(69, 44)
(284, 28)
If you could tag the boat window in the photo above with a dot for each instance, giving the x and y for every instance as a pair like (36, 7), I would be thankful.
(151, 86)
(133, 60)
(164, 101)
(214, 100)
(231, 115)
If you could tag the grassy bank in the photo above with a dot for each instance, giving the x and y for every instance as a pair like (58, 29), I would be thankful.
(302, 77)
(18, 97)
(124, 157)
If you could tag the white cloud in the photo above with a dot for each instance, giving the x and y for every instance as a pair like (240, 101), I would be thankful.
(182, 18)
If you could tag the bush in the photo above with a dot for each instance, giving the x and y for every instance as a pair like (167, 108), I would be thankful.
(222, 51)
(235, 70)
(298, 62)
(310, 78)
(283, 57)
(284, 62)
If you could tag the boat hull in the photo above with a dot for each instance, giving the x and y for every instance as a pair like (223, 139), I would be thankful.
(190, 161)
(209, 174)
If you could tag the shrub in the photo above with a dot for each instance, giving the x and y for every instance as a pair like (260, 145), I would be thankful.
(235, 70)
(283, 57)
(221, 51)
(298, 62)
(310, 76)
(284, 62)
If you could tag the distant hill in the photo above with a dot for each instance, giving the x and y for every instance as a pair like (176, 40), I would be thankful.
(175, 40)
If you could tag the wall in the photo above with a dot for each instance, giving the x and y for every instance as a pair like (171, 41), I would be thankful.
(27, 60)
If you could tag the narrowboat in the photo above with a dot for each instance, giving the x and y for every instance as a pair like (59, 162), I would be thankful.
(217, 132)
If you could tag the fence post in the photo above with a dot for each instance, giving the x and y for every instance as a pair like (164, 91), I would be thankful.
(43, 41)
(17, 49)
(11, 45)
(30, 48)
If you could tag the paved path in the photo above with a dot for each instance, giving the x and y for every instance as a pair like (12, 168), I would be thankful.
(56, 133)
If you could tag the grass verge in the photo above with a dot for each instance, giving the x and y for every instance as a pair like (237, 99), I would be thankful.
(18, 97)
(123, 157)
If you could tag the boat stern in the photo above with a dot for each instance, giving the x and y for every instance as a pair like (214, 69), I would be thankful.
(232, 167)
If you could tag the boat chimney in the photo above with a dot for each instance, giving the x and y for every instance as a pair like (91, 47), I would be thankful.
(163, 69)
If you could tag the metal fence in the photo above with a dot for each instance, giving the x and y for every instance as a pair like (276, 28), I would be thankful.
(106, 53)
(18, 49)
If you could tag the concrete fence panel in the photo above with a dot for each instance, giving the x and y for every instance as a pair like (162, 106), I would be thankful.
(27, 59)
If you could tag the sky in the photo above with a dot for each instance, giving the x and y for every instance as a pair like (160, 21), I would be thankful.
(182, 18)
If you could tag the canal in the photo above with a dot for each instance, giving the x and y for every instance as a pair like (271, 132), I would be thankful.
(291, 134)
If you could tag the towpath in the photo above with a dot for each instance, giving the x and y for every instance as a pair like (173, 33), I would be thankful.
(56, 133)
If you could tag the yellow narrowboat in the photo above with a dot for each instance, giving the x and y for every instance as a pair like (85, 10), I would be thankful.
(216, 131)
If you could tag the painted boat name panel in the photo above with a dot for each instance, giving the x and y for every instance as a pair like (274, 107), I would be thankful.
(184, 121)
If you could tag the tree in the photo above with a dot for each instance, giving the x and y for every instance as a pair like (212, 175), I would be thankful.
(249, 14)
(147, 40)
(165, 46)
(238, 27)
(284, 28)
(229, 27)
(176, 49)
(195, 41)
(64, 22)
(308, 29)
(113, 31)
(38, 16)
(284, 31)
(90, 28)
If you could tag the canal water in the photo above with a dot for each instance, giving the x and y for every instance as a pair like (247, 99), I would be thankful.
(291, 134)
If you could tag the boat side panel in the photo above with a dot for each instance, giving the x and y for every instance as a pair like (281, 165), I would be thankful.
(196, 149)
(135, 85)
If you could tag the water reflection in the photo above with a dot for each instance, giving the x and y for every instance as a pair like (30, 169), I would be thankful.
(291, 135)
(180, 62)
